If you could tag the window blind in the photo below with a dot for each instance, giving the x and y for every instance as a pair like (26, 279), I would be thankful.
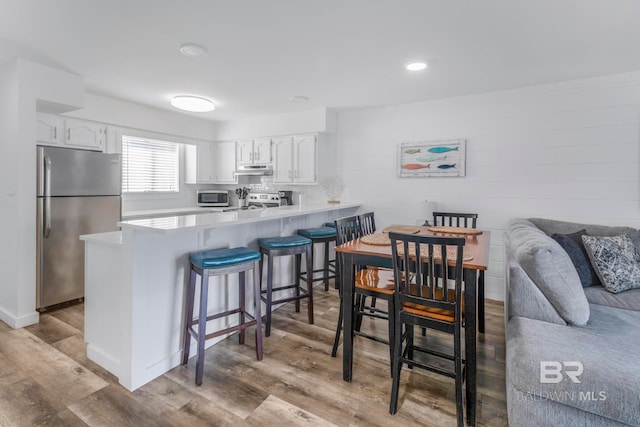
(149, 165)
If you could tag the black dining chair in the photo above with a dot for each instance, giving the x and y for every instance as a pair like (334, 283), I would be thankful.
(464, 220)
(423, 303)
(372, 282)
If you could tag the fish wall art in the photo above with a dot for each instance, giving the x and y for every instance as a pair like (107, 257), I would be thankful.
(432, 158)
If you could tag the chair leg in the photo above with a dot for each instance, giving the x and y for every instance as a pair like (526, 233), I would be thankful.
(336, 340)
(202, 327)
(397, 368)
(309, 286)
(481, 302)
(257, 301)
(458, 378)
(267, 327)
(392, 330)
(241, 297)
(326, 266)
(297, 280)
(188, 315)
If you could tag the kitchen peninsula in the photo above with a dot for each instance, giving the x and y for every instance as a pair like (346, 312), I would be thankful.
(135, 280)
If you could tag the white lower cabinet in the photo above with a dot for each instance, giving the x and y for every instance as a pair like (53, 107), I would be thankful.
(295, 159)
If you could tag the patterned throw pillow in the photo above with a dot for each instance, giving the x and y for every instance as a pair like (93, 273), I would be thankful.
(572, 244)
(616, 261)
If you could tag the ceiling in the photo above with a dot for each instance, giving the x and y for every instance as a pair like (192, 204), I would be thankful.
(340, 54)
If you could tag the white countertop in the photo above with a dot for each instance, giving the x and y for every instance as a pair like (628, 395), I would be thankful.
(199, 221)
(167, 212)
(111, 238)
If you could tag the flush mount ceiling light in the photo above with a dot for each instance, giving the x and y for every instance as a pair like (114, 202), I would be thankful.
(298, 99)
(416, 66)
(192, 50)
(194, 104)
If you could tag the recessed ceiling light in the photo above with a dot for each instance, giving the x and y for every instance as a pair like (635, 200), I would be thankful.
(298, 99)
(194, 104)
(192, 50)
(416, 66)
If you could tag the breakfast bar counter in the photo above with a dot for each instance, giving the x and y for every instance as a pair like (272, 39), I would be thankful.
(135, 280)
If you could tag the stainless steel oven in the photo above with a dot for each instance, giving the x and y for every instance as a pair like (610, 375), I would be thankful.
(269, 200)
(213, 198)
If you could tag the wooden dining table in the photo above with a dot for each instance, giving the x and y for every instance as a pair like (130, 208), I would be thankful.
(357, 252)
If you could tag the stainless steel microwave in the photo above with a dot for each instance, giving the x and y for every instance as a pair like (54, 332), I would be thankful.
(213, 198)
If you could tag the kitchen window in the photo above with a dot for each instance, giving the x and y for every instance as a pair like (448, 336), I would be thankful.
(149, 165)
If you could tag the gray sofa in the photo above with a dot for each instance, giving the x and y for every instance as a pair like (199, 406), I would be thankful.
(572, 353)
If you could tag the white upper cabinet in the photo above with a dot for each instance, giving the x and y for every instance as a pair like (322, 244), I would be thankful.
(49, 129)
(56, 130)
(254, 151)
(295, 160)
(198, 161)
(224, 162)
(83, 134)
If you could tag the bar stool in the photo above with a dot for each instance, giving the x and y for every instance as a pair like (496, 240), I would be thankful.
(323, 235)
(218, 262)
(281, 246)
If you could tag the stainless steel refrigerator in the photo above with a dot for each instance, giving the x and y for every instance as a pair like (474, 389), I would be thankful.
(78, 193)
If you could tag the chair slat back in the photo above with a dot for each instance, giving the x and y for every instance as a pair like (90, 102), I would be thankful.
(455, 219)
(419, 258)
(347, 229)
(367, 223)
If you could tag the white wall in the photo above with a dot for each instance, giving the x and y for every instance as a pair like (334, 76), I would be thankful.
(24, 85)
(566, 151)
(139, 120)
(312, 121)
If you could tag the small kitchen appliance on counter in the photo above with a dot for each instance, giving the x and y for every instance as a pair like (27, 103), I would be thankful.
(269, 200)
(213, 198)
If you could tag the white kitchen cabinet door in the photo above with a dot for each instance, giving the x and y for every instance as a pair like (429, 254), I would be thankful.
(245, 152)
(304, 151)
(49, 129)
(224, 162)
(283, 160)
(85, 135)
(254, 151)
(262, 151)
(198, 163)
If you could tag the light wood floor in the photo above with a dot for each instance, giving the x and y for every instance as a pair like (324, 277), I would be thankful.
(46, 379)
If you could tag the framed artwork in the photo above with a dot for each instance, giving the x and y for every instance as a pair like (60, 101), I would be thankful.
(432, 158)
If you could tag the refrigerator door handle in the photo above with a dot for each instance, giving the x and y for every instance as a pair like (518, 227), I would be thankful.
(46, 214)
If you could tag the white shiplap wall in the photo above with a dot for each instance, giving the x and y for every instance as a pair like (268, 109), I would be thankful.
(567, 151)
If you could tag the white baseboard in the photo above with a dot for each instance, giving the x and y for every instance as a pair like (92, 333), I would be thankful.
(19, 322)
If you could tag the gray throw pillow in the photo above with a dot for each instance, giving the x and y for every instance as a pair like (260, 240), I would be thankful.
(572, 244)
(616, 261)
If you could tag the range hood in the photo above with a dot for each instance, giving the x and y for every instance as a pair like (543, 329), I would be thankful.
(254, 170)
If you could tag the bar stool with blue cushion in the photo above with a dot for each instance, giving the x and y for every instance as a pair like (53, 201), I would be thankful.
(218, 262)
(281, 246)
(324, 235)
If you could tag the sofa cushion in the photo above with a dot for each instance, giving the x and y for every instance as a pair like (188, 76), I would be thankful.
(609, 380)
(573, 245)
(552, 226)
(616, 261)
(526, 300)
(628, 300)
(551, 269)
